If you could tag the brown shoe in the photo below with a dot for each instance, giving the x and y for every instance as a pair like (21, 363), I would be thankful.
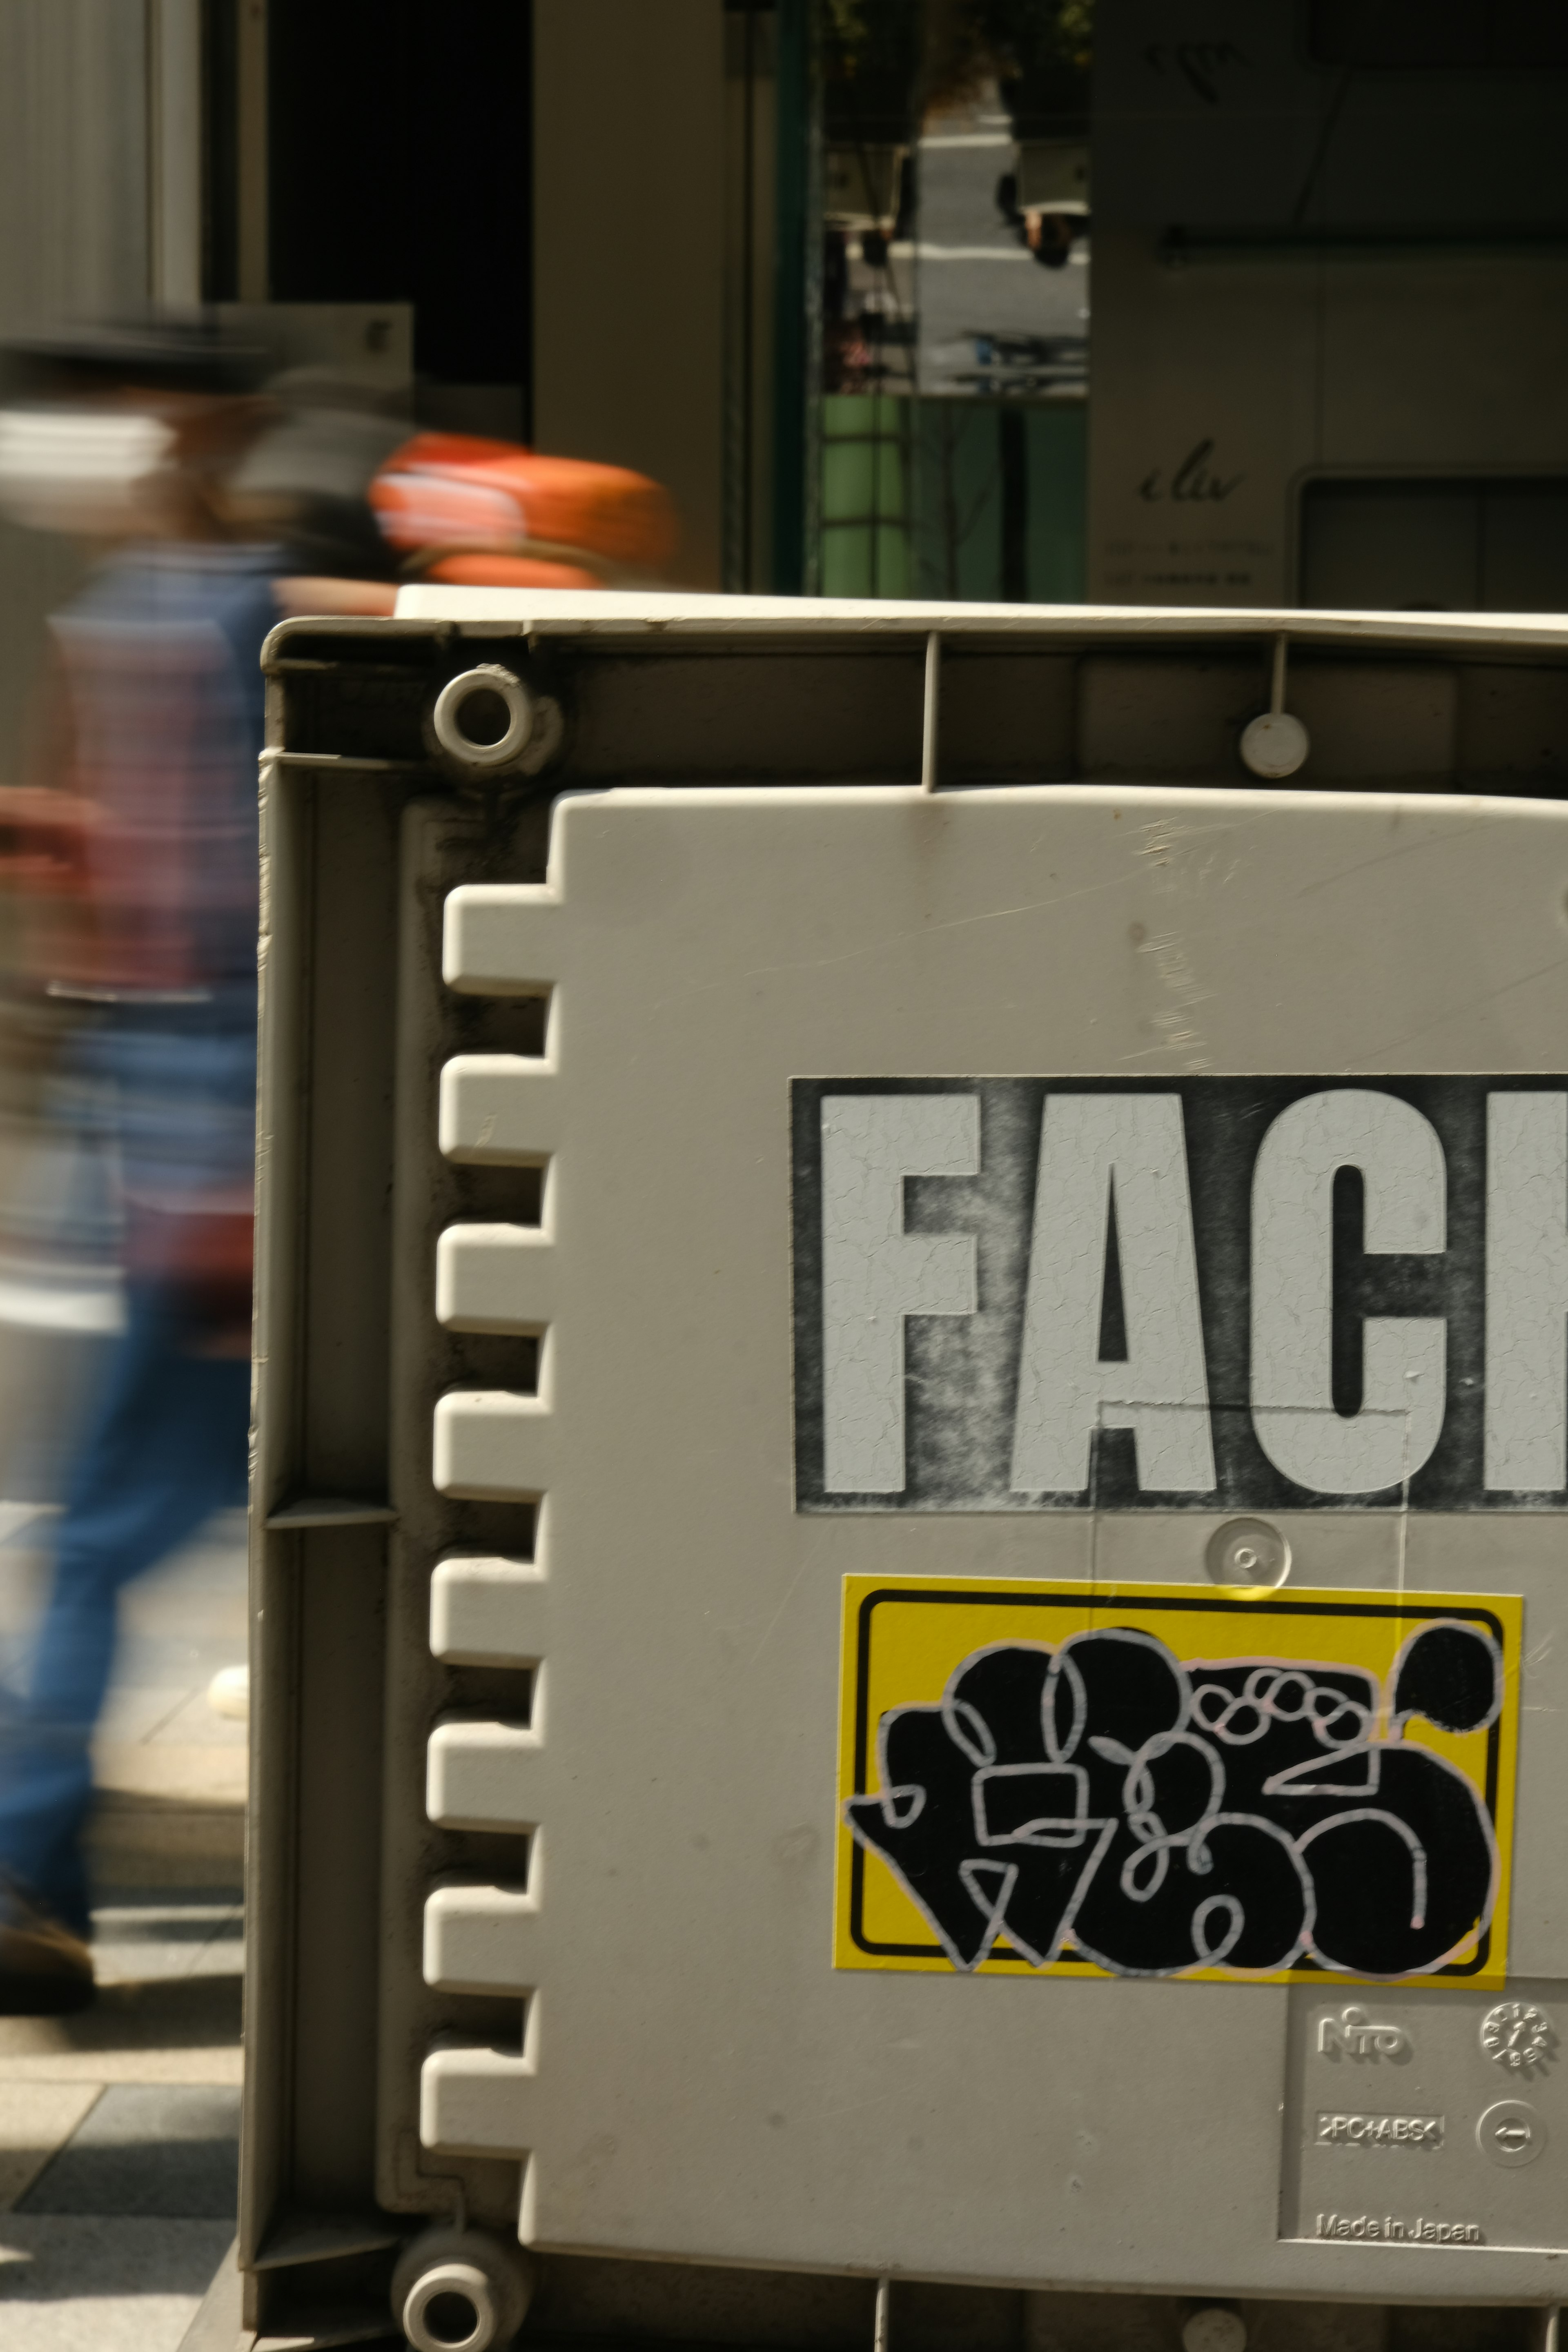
(45, 1970)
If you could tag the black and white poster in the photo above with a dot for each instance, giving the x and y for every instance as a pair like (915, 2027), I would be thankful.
(1021, 1294)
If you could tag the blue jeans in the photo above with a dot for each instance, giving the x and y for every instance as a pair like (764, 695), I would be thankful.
(166, 1446)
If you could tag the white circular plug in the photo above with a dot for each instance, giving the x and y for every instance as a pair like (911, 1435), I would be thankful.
(1275, 745)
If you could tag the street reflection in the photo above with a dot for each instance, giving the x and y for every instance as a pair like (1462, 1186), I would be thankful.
(956, 299)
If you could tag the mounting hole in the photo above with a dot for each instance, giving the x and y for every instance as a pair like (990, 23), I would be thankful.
(450, 2307)
(1275, 745)
(1248, 1552)
(483, 718)
(460, 2290)
(450, 2318)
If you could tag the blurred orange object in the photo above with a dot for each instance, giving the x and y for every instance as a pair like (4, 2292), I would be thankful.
(493, 514)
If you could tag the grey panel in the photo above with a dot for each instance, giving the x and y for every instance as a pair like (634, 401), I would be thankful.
(166, 2149)
(584, 1980)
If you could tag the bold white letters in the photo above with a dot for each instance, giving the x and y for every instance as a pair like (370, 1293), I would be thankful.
(1403, 1391)
(1110, 1173)
(874, 1273)
(1090, 1144)
(1527, 1292)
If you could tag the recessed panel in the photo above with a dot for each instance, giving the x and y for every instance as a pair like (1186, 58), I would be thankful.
(1420, 2120)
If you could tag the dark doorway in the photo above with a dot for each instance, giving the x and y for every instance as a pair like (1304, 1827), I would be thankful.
(1468, 546)
(400, 170)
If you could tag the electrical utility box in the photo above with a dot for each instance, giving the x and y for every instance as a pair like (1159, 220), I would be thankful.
(913, 1478)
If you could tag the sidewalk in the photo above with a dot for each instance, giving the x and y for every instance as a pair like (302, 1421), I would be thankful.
(119, 2128)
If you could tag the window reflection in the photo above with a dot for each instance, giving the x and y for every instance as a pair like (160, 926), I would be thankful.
(955, 297)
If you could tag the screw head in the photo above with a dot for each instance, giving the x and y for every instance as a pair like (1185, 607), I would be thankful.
(1510, 2133)
(1247, 1552)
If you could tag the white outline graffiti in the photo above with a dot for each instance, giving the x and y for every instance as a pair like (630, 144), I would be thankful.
(1078, 1797)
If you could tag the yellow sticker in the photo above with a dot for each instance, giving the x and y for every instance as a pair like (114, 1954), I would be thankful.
(1173, 1781)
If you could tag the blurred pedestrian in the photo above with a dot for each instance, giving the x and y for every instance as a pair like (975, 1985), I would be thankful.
(129, 437)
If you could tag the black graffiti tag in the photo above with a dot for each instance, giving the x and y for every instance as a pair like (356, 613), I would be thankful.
(1158, 1816)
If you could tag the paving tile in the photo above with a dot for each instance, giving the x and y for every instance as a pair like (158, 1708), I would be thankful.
(186, 2030)
(223, 1957)
(91, 2285)
(208, 1775)
(178, 1651)
(140, 1710)
(151, 1943)
(134, 2104)
(222, 2064)
(136, 1841)
(36, 2119)
(166, 2150)
(199, 1592)
(193, 1724)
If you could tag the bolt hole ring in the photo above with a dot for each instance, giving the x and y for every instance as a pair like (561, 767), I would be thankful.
(1251, 1555)
(494, 683)
(450, 2307)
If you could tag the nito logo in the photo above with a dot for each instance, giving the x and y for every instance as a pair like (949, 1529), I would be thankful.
(1359, 2036)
